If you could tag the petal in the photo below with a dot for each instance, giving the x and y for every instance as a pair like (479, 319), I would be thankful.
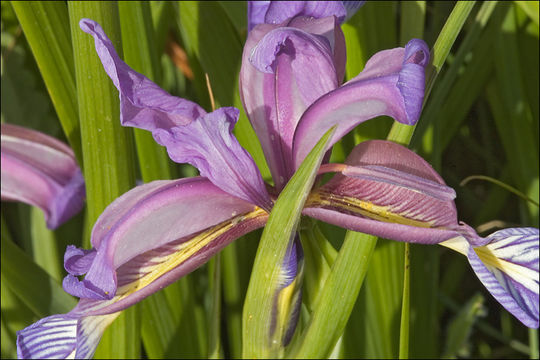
(279, 11)
(77, 261)
(508, 268)
(391, 84)
(41, 171)
(389, 191)
(256, 12)
(276, 86)
(143, 104)
(62, 336)
(209, 144)
(167, 211)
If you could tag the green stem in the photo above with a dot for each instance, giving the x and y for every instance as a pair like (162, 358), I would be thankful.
(404, 327)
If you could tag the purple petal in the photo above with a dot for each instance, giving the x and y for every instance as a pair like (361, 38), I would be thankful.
(389, 85)
(209, 144)
(256, 12)
(77, 261)
(389, 191)
(508, 268)
(143, 104)
(276, 86)
(168, 211)
(41, 171)
(62, 336)
(279, 11)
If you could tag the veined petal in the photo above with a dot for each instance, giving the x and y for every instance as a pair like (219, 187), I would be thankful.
(389, 191)
(143, 104)
(165, 211)
(62, 336)
(77, 333)
(209, 144)
(39, 170)
(508, 267)
(182, 126)
(392, 84)
(276, 86)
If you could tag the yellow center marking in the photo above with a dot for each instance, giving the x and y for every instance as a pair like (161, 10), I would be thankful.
(365, 208)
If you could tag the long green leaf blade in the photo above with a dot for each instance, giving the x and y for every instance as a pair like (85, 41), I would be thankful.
(279, 231)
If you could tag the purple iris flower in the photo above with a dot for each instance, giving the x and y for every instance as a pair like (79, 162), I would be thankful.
(291, 87)
(39, 170)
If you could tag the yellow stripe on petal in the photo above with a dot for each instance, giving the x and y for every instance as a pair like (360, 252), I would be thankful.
(527, 277)
(177, 255)
(364, 208)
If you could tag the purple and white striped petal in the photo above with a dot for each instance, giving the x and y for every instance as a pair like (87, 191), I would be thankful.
(389, 191)
(392, 84)
(508, 267)
(62, 336)
(164, 211)
(143, 104)
(277, 84)
(39, 170)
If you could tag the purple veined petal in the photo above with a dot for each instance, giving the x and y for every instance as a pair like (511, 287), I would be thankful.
(276, 86)
(256, 11)
(78, 332)
(143, 104)
(41, 171)
(508, 267)
(279, 11)
(391, 192)
(209, 144)
(391, 84)
(168, 211)
(62, 336)
(78, 261)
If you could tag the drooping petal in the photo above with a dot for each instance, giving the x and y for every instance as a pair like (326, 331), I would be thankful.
(389, 191)
(209, 144)
(143, 104)
(508, 267)
(39, 170)
(189, 133)
(167, 211)
(72, 335)
(277, 85)
(392, 84)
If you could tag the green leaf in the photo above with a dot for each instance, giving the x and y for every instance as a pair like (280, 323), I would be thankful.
(140, 53)
(460, 328)
(36, 289)
(530, 8)
(46, 27)
(107, 148)
(402, 133)
(277, 235)
(337, 298)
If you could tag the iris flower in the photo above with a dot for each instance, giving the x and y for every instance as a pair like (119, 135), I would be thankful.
(39, 170)
(292, 89)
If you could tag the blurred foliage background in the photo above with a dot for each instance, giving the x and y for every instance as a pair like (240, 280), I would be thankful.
(481, 118)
